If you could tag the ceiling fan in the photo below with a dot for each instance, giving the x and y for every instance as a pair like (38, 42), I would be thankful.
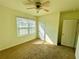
(37, 4)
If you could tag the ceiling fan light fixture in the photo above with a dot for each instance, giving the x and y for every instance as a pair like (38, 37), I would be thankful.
(38, 5)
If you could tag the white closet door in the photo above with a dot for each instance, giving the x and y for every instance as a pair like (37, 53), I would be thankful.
(69, 32)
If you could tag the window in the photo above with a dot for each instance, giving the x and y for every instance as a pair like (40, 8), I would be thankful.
(25, 26)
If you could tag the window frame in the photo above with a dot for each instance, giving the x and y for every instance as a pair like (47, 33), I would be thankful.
(28, 27)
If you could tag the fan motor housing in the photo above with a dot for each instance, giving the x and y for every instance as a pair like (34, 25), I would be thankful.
(38, 4)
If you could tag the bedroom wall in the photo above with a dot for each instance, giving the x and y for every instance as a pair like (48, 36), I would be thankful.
(8, 33)
(51, 22)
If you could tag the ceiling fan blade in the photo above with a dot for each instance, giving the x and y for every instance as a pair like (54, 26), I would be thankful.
(31, 8)
(46, 3)
(36, 0)
(30, 1)
(46, 10)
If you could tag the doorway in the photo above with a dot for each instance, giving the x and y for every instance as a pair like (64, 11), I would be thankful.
(69, 33)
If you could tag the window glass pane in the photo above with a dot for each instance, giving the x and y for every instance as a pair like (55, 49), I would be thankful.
(23, 32)
(32, 26)
(31, 23)
(25, 26)
(22, 23)
(32, 30)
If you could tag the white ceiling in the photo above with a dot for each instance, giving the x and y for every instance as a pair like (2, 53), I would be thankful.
(55, 6)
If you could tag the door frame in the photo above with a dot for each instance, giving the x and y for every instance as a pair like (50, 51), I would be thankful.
(61, 29)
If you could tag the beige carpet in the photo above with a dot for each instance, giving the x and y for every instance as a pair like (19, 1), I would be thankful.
(37, 50)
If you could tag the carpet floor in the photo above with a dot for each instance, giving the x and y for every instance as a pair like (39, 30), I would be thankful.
(37, 50)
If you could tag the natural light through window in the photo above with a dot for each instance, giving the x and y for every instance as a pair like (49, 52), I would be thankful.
(25, 26)
(41, 31)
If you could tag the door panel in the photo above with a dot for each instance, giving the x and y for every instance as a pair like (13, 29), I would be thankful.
(69, 32)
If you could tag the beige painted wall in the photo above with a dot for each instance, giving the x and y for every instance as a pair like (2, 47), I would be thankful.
(8, 33)
(70, 15)
(52, 23)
